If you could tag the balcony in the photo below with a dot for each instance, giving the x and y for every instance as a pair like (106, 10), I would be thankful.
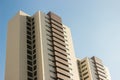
(60, 46)
(62, 66)
(57, 28)
(61, 55)
(59, 37)
(58, 32)
(61, 61)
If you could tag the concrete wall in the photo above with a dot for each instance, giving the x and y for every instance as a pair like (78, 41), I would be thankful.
(15, 56)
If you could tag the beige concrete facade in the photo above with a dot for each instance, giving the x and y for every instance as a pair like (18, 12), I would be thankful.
(39, 47)
(16, 58)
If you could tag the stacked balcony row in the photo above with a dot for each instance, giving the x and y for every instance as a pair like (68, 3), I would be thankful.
(31, 49)
(59, 48)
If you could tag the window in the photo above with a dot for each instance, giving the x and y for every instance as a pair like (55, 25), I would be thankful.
(29, 68)
(28, 28)
(82, 62)
(29, 62)
(34, 56)
(34, 62)
(33, 41)
(33, 27)
(29, 57)
(35, 67)
(83, 65)
(33, 23)
(35, 73)
(29, 42)
(28, 18)
(85, 73)
(33, 36)
(29, 47)
(84, 69)
(32, 19)
(28, 37)
(30, 74)
(35, 78)
(34, 51)
(29, 52)
(28, 32)
(30, 79)
(33, 46)
(28, 24)
(86, 78)
(33, 32)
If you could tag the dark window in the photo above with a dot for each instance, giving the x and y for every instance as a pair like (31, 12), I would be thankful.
(32, 19)
(35, 73)
(34, 56)
(30, 79)
(29, 42)
(29, 68)
(86, 78)
(85, 73)
(33, 46)
(34, 41)
(29, 57)
(28, 32)
(82, 62)
(28, 18)
(28, 24)
(28, 28)
(34, 62)
(30, 74)
(34, 51)
(33, 32)
(29, 47)
(35, 67)
(29, 62)
(33, 23)
(33, 36)
(33, 27)
(83, 65)
(29, 52)
(28, 37)
(35, 78)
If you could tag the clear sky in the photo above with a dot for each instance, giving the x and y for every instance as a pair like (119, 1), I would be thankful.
(95, 27)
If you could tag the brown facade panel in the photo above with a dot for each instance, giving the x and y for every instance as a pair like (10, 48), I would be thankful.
(61, 55)
(61, 61)
(65, 54)
(63, 72)
(60, 46)
(58, 32)
(97, 60)
(99, 69)
(59, 50)
(54, 17)
(99, 65)
(56, 23)
(62, 77)
(59, 41)
(59, 37)
(62, 66)
(57, 27)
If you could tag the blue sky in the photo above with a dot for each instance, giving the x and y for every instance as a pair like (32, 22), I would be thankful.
(95, 26)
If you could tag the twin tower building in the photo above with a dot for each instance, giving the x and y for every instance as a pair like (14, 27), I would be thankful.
(40, 47)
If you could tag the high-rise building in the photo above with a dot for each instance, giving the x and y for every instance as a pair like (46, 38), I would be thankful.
(92, 69)
(39, 47)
